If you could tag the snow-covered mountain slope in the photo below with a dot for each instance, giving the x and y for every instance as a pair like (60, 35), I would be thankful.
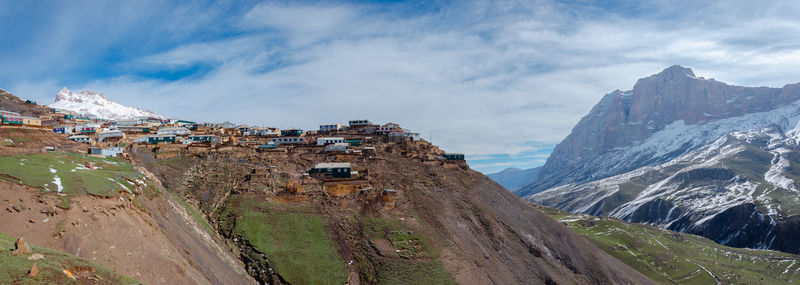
(92, 103)
(739, 190)
(687, 154)
(662, 117)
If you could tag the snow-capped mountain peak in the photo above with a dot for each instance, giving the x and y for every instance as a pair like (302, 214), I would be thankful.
(93, 103)
(686, 154)
(83, 96)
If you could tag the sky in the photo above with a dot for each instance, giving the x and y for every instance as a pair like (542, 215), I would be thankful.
(502, 81)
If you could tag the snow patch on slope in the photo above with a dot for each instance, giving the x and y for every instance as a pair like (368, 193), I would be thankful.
(678, 138)
(776, 173)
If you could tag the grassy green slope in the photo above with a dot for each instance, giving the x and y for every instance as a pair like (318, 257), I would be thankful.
(47, 170)
(14, 269)
(294, 237)
(677, 258)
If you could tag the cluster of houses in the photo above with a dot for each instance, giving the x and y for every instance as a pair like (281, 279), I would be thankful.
(334, 137)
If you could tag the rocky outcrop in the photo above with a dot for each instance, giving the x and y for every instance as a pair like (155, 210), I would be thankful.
(21, 248)
(625, 119)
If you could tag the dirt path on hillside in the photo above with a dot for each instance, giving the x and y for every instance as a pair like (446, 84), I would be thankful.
(161, 248)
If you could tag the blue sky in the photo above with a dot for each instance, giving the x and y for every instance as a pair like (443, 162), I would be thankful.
(502, 81)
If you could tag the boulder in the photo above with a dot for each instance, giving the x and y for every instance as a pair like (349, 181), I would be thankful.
(22, 248)
(34, 270)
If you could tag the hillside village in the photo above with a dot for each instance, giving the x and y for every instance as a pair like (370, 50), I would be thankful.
(342, 146)
(360, 202)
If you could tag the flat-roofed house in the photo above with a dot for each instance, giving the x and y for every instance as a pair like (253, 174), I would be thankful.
(88, 128)
(155, 139)
(288, 140)
(31, 121)
(330, 127)
(329, 140)
(332, 169)
(10, 118)
(63, 129)
(292, 132)
(79, 138)
(453, 156)
(387, 128)
(111, 135)
(109, 151)
(404, 135)
(359, 123)
(212, 139)
(176, 131)
(268, 132)
(126, 123)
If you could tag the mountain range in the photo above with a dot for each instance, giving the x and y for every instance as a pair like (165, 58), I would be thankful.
(92, 103)
(685, 153)
(515, 178)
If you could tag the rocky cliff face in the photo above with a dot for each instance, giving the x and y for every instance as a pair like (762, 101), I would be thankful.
(608, 141)
(727, 170)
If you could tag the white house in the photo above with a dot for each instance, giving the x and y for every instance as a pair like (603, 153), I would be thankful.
(404, 136)
(127, 123)
(110, 151)
(268, 132)
(87, 128)
(115, 134)
(288, 140)
(329, 140)
(359, 123)
(177, 131)
(387, 128)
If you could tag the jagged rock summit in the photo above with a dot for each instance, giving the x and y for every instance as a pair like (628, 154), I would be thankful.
(626, 129)
(93, 103)
(686, 154)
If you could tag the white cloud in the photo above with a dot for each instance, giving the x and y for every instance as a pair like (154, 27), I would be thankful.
(301, 24)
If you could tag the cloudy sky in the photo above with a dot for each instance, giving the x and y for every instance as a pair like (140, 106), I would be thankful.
(502, 81)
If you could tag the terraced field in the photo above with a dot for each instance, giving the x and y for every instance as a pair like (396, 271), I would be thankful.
(678, 258)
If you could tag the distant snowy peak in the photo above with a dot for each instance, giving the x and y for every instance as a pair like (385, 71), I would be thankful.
(93, 103)
(84, 96)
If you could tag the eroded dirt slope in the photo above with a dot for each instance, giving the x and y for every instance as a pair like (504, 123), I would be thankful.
(156, 245)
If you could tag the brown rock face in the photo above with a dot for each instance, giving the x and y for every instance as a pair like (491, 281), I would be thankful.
(22, 248)
(622, 119)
